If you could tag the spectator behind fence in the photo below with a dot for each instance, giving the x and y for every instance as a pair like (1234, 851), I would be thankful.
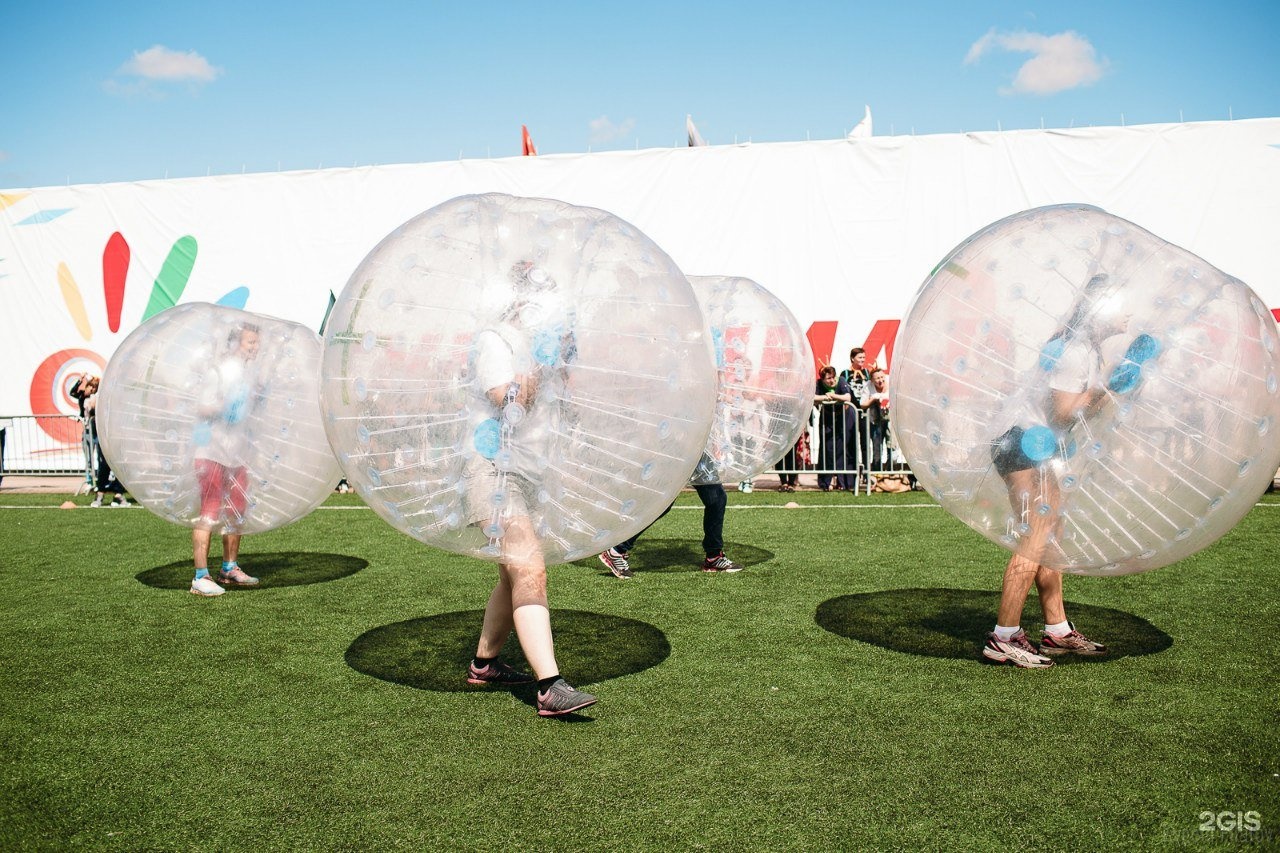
(85, 391)
(876, 405)
(4, 425)
(858, 378)
(829, 397)
(796, 460)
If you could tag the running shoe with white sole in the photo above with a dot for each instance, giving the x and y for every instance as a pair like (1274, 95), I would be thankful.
(1016, 650)
(237, 577)
(206, 587)
(720, 563)
(617, 563)
(1072, 642)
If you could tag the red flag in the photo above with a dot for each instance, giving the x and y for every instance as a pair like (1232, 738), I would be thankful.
(526, 143)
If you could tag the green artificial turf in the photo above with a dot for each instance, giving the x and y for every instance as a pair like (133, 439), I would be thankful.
(829, 697)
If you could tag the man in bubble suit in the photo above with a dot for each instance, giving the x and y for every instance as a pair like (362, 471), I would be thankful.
(1073, 361)
(225, 400)
(517, 364)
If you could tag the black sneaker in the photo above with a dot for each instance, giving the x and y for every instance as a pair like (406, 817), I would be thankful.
(617, 563)
(496, 673)
(561, 698)
(720, 563)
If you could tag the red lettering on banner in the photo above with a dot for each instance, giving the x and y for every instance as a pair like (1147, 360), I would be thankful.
(822, 339)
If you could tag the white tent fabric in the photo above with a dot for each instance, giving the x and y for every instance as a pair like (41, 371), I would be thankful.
(843, 231)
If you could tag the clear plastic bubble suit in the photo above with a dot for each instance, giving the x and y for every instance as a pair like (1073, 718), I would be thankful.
(1171, 437)
(211, 417)
(764, 379)
(507, 375)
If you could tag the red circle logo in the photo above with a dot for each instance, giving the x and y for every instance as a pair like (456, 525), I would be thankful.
(51, 390)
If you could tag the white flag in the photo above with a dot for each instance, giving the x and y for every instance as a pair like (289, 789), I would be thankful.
(695, 138)
(862, 129)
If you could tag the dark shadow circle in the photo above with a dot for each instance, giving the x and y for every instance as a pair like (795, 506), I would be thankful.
(294, 568)
(952, 623)
(680, 555)
(432, 652)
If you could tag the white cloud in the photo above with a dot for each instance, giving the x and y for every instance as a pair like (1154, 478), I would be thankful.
(603, 130)
(161, 64)
(1059, 62)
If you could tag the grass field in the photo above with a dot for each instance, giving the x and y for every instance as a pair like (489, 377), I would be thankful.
(827, 698)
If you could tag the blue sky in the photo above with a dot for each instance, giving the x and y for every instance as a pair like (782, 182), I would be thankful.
(95, 92)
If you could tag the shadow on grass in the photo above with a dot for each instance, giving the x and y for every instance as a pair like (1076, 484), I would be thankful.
(272, 570)
(680, 555)
(432, 653)
(952, 623)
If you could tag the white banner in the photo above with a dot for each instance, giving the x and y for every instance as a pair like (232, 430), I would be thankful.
(843, 231)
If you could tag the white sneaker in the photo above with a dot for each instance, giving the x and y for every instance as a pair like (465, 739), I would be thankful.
(96, 502)
(206, 587)
(120, 501)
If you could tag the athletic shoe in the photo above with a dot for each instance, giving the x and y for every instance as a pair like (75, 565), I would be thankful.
(238, 577)
(561, 698)
(496, 673)
(1073, 642)
(617, 563)
(120, 500)
(1016, 650)
(720, 563)
(206, 587)
(96, 502)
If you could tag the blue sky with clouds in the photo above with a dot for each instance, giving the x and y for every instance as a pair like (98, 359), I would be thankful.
(95, 92)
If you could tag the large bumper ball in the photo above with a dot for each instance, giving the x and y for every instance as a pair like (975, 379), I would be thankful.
(764, 379)
(211, 417)
(505, 376)
(1087, 395)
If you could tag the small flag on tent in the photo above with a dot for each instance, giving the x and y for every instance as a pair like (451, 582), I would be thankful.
(862, 129)
(695, 138)
(325, 322)
(526, 142)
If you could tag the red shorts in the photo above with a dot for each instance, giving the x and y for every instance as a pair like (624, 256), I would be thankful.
(223, 490)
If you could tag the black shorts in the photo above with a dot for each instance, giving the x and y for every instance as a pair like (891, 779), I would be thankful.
(1007, 453)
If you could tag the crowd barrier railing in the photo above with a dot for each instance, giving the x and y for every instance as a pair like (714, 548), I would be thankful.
(845, 448)
(44, 444)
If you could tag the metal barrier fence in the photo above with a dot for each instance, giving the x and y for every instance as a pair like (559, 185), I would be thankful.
(848, 450)
(44, 444)
(57, 444)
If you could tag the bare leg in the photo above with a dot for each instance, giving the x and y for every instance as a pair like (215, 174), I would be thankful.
(524, 580)
(200, 547)
(230, 547)
(498, 621)
(1018, 576)
(1028, 491)
(1049, 583)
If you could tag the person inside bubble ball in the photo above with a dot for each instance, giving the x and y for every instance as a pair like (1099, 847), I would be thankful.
(1073, 361)
(519, 362)
(224, 402)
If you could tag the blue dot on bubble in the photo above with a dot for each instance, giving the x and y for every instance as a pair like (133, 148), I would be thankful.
(1038, 443)
(487, 437)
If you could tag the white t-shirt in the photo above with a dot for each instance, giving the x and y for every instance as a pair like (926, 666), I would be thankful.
(227, 393)
(503, 354)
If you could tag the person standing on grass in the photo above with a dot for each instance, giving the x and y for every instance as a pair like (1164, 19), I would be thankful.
(1073, 361)
(714, 501)
(225, 401)
(517, 422)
